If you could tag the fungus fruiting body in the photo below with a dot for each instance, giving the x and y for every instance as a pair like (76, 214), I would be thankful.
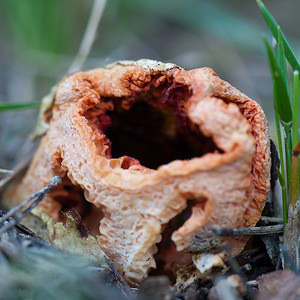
(140, 144)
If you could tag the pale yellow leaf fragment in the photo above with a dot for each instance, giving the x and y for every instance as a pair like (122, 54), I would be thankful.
(66, 237)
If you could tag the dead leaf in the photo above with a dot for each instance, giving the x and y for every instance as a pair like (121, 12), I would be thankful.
(67, 237)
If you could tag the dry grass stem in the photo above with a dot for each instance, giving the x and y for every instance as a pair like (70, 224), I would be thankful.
(5, 173)
(249, 230)
(275, 220)
(89, 36)
(126, 289)
(36, 198)
(15, 173)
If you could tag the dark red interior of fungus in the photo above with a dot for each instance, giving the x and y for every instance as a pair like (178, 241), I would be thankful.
(154, 127)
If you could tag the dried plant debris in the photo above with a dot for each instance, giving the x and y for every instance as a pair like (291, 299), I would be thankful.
(153, 157)
(291, 235)
(72, 237)
(32, 269)
(204, 266)
(15, 174)
(17, 213)
(156, 287)
(230, 288)
(272, 243)
(262, 230)
(279, 285)
(5, 173)
(44, 114)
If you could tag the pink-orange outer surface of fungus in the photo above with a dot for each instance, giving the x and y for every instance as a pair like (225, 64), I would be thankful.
(227, 184)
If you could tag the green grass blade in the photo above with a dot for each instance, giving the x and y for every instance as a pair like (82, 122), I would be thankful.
(280, 146)
(284, 200)
(295, 108)
(294, 185)
(281, 97)
(273, 26)
(288, 151)
(18, 105)
(282, 167)
(281, 60)
(280, 177)
(284, 206)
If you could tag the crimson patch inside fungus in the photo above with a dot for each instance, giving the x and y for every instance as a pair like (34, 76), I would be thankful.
(154, 128)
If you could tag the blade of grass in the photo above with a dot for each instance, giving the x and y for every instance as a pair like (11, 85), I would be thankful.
(281, 97)
(89, 36)
(284, 206)
(295, 108)
(294, 185)
(280, 177)
(284, 198)
(288, 150)
(280, 146)
(281, 60)
(273, 26)
(283, 112)
(282, 167)
(18, 105)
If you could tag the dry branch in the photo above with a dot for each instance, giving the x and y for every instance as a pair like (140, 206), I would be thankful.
(278, 229)
(7, 222)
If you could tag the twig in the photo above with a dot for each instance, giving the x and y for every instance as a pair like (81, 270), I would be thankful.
(21, 227)
(252, 283)
(246, 268)
(19, 169)
(89, 35)
(43, 192)
(256, 258)
(275, 220)
(249, 230)
(247, 254)
(127, 290)
(16, 211)
(4, 172)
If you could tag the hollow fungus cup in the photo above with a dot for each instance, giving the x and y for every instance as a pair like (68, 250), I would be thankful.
(153, 157)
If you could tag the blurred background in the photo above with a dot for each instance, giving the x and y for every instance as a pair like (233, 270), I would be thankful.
(40, 38)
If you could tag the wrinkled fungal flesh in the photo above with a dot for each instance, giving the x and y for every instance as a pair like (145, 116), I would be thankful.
(153, 157)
